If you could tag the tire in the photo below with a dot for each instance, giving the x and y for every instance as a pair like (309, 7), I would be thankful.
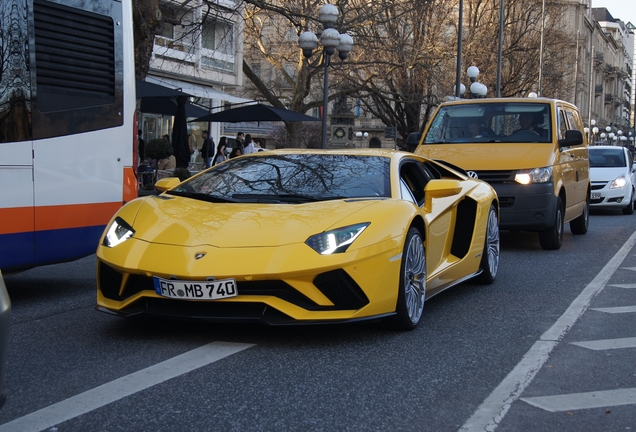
(412, 286)
(552, 238)
(490, 256)
(629, 210)
(581, 223)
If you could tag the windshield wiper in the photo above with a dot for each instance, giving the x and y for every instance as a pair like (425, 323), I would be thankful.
(202, 196)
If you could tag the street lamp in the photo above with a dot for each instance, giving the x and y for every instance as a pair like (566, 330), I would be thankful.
(360, 135)
(594, 132)
(603, 136)
(477, 89)
(332, 41)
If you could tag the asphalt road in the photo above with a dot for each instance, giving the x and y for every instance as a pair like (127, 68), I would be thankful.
(483, 358)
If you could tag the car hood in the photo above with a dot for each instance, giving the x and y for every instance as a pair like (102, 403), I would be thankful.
(606, 174)
(491, 156)
(190, 222)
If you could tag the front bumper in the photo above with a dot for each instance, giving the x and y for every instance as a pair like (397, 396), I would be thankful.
(604, 197)
(347, 287)
(526, 207)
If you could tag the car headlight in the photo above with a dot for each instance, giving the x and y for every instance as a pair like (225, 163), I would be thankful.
(335, 241)
(536, 175)
(118, 232)
(618, 183)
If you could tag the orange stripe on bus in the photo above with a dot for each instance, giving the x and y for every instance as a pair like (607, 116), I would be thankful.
(14, 220)
(74, 215)
(131, 185)
(21, 219)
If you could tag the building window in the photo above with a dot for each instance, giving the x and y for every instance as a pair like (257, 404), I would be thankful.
(218, 36)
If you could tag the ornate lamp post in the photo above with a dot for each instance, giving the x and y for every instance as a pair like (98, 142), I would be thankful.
(360, 135)
(477, 89)
(331, 41)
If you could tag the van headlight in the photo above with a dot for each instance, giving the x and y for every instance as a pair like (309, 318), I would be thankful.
(118, 232)
(535, 175)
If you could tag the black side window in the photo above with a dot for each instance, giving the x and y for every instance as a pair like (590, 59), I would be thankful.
(415, 177)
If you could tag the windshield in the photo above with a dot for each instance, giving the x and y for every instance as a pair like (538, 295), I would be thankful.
(291, 178)
(607, 158)
(491, 122)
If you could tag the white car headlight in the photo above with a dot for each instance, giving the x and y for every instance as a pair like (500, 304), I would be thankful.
(536, 175)
(335, 241)
(117, 233)
(618, 183)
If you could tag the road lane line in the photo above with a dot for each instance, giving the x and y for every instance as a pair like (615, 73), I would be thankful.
(578, 401)
(122, 387)
(628, 286)
(606, 344)
(495, 407)
(628, 268)
(616, 310)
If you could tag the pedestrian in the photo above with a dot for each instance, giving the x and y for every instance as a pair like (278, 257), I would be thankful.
(236, 151)
(248, 147)
(220, 151)
(166, 137)
(207, 149)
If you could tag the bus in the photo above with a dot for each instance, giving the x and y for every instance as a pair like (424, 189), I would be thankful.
(68, 135)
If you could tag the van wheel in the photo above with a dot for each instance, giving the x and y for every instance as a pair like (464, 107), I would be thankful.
(490, 256)
(552, 238)
(580, 224)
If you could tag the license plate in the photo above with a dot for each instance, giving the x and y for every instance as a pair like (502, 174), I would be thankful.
(596, 196)
(195, 290)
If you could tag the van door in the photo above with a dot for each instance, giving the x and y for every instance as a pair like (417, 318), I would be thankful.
(564, 169)
(580, 161)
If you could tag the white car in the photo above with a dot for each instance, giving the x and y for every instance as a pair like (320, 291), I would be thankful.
(613, 177)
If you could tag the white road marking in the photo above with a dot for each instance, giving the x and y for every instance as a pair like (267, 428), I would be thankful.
(616, 310)
(578, 401)
(628, 286)
(606, 344)
(495, 407)
(628, 268)
(122, 387)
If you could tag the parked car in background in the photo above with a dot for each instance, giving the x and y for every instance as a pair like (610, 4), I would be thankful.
(613, 177)
(300, 237)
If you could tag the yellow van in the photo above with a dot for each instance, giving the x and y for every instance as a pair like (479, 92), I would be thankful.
(531, 150)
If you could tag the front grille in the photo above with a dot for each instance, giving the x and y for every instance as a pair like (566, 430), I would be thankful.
(506, 202)
(341, 289)
(337, 286)
(597, 186)
(496, 176)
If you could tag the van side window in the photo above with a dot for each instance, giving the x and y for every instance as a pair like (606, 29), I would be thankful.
(563, 124)
(573, 120)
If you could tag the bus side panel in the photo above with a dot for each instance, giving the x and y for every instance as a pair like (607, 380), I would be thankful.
(67, 232)
(17, 221)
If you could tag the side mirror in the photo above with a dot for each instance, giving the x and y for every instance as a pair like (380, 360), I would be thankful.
(440, 189)
(412, 141)
(167, 183)
(572, 137)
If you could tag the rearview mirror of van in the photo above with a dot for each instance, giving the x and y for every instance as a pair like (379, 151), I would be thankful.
(412, 140)
(572, 138)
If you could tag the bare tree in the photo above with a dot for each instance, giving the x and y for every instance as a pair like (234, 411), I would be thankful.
(404, 57)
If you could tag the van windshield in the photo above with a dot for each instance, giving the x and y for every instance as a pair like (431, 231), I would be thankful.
(491, 122)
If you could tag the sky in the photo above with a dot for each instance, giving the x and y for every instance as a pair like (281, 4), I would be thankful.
(625, 10)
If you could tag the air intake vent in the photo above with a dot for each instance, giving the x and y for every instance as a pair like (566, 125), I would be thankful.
(75, 57)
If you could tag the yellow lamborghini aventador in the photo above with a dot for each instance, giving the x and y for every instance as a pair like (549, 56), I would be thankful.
(301, 236)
